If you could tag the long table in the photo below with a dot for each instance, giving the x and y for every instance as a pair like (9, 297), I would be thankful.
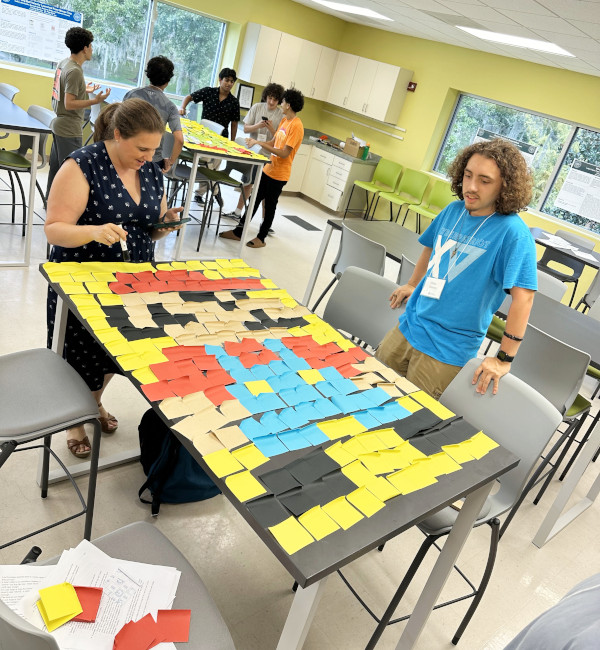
(397, 240)
(583, 255)
(285, 414)
(206, 144)
(13, 119)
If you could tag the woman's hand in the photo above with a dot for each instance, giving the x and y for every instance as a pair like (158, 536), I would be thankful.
(400, 295)
(109, 234)
(250, 142)
(173, 214)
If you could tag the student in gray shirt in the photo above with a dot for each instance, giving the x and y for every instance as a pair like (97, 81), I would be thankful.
(160, 72)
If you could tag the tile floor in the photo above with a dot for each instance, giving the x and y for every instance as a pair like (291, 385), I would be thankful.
(251, 588)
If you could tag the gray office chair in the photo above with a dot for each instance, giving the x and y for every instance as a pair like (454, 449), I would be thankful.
(8, 91)
(359, 305)
(576, 266)
(406, 270)
(589, 299)
(43, 395)
(138, 542)
(519, 419)
(355, 250)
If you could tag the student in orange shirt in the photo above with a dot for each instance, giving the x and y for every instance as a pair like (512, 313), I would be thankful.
(276, 174)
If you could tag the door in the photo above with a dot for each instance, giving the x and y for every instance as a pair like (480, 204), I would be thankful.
(341, 81)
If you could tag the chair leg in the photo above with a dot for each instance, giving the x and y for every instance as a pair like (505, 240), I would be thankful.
(573, 294)
(324, 292)
(42, 195)
(347, 204)
(45, 466)
(23, 203)
(91, 496)
(494, 537)
(12, 195)
(579, 447)
(412, 569)
(6, 449)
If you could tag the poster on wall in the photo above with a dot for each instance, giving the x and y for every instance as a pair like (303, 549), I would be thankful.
(580, 192)
(527, 150)
(37, 29)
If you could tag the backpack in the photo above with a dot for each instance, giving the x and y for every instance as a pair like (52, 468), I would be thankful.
(173, 475)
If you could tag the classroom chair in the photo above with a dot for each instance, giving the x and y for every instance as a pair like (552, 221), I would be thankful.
(440, 196)
(385, 179)
(591, 295)
(43, 395)
(8, 91)
(138, 542)
(410, 192)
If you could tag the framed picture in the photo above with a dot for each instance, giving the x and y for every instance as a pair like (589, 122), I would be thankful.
(245, 96)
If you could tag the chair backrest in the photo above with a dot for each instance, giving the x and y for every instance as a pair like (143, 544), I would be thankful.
(551, 286)
(578, 240)
(406, 270)
(553, 368)
(576, 266)
(387, 173)
(594, 310)
(16, 632)
(356, 250)
(359, 305)
(213, 126)
(441, 195)
(8, 91)
(413, 184)
(46, 117)
(593, 291)
(517, 417)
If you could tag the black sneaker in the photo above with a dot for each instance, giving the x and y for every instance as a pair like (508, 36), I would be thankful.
(232, 215)
(219, 200)
(198, 199)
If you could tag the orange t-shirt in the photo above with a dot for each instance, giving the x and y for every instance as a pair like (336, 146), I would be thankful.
(290, 134)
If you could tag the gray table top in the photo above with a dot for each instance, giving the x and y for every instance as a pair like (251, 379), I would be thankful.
(540, 237)
(397, 240)
(14, 117)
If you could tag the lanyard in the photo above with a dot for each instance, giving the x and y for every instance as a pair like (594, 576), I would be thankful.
(453, 264)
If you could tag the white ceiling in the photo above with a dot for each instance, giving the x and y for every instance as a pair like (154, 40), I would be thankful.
(572, 24)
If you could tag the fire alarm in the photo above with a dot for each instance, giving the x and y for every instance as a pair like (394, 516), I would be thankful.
(412, 86)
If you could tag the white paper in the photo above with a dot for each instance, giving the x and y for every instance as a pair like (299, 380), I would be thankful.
(17, 580)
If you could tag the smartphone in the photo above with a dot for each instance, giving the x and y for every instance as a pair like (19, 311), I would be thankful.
(265, 119)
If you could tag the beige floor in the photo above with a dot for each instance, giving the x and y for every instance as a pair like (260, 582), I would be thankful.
(251, 588)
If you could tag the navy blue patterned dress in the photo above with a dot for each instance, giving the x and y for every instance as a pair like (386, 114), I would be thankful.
(109, 202)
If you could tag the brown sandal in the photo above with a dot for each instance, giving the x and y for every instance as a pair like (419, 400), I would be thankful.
(73, 446)
(109, 424)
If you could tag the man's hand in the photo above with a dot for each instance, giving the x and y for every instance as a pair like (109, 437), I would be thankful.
(182, 111)
(400, 295)
(250, 142)
(490, 370)
(91, 87)
(102, 95)
(167, 164)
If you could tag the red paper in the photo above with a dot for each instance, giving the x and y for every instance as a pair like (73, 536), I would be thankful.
(140, 635)
(178, 352)
(174, 625)
(218, 394)
(316, 363)
(125, 278)
(145, 276)
(157, 391)
(120, 288)
(347, 370)
(207, 362)
(89, 597)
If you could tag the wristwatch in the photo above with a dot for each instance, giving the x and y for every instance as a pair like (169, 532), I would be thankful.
(504, 357)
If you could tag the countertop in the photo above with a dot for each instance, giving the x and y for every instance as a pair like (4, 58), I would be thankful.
(372, 160)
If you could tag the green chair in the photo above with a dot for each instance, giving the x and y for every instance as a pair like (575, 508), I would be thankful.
(385, 179)
(409, 192)
(439, 197)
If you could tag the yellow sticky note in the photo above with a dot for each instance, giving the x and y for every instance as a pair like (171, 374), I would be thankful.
(311, 376)
(250, 456)
(117, 348)
(371, 441)
(178, 266)
(110, 334)
(377, 463)
(382, 488)
(98, 324)
(145, 376)
(84, 299)
(318, 523)
(212, 275)
(389, 437)
(268, 284)
(481, 444)
(90, 312)
(354, 447)
(358, 473)
(104, 276)
(131, 361)
(82, 276)
(259, 386)
(97, 287)
(432, 404)
(194, 265)
(58, 604)
(73, 287)
(291, 535)
(110, 299)
(409, 404)
(365, 501)
(243, 485)
(342, 512)
(407, 453)
(339, 454)
(411, 478)
(348, 426)
(439, 464)
(223, 463)
(460, 452)
(211, 264)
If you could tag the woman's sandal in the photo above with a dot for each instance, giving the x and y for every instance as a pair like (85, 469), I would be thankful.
(74, 445)
(109, 423)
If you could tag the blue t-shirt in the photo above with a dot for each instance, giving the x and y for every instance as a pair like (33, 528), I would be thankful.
(481, 259)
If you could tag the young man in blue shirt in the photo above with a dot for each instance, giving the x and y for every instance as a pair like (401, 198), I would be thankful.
(475, 251)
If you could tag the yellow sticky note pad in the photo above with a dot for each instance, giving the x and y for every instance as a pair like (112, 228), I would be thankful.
(377, 463)
(82, 276)
(73, 287)
(411, 479)
(250, 456)
(432, 404)
(358, 473)
(58, 604)
(194, 265)
(365, 501)
(389, 438)
(97, 287)
(145, 376)
(318, 523)
(223, 463)
(117, 348)
(103, 276)
(354, 447)
(84, 300)
(291, 535)
(212, 275)
(382, 488)
(268, 284)
(407, 453)
(439, 464)
(110, 299)
(370, 441)
(460, 452)
(109, 335)
(311, 376)
(98, 324)
(259, 386)
(409, 404)
(481, 444)
(347, 426)
(243, 485)
(339, 454)
(342, 512)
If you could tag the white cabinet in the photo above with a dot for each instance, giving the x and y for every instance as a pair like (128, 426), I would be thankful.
(341, 81)
(259, 53)
(316, 174)
(362, 84)
(314, 71)
(299, 164)
(287, 61)
(324, 73)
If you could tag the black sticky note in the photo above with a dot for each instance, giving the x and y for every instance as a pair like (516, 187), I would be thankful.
(268, 511)
(312, 467)
(279, 480)
(297, 501)
(339, 484)
(419, 422)
(253, 325)
(320, 492)
(425, 445)
(135, 334)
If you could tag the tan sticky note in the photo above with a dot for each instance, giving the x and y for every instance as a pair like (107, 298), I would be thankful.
(207, 443)
(231, 437)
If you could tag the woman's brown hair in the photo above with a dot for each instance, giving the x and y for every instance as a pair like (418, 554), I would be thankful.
(131, 117)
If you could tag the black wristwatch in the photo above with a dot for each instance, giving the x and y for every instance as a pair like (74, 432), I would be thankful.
(504, 357)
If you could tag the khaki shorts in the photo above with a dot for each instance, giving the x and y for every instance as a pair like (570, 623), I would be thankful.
(423, 371)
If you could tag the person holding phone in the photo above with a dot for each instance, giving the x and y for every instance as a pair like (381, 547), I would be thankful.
(261, 122)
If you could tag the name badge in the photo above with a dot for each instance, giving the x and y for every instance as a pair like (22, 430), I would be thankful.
(433, 288)
(261, 137)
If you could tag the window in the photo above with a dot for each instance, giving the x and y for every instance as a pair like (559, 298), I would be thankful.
(121, 34)
(550, 147)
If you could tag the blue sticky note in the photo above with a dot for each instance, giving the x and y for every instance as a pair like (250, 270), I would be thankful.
(293, 440)
(275, 383)
(274, 344)
(270, 446)
(366, 419)
(290, 396)
(296, 363)
(396, 411)
(261, 371)
(290, 379)
(330, 373)
(345, 403)
(240, 391)
(378, 412)
(278, 367)
(269, 402)
(241, 375)
(361, 401)
(326, 388)
(308, 410)
(252, 428)
(272, 423)
(217, 350)
(376, 395)
(344, 386)
(314, 435)
(326, 408)
(292, 418)
(231, 363)
(306, 393)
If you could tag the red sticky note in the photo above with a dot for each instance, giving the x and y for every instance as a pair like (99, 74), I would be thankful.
(176, 285)
(120, 288)
(179, 274)
(173, 625)
(142, 287)
(359, 353)
(145, 276)
(141, 635)
(207, 362)
(157, 391)
(219, 378)
(178, 352)
(163, 276)
(348, 371)
(218, 394)
(316, 363)
(125, 278)
(89, 597)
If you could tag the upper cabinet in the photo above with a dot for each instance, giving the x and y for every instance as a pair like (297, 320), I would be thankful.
(370, 88)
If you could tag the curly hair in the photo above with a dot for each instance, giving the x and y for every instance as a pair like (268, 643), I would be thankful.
(517, 180)
(159, 70)
(273, 90)
(77, 38)
(294, 98)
